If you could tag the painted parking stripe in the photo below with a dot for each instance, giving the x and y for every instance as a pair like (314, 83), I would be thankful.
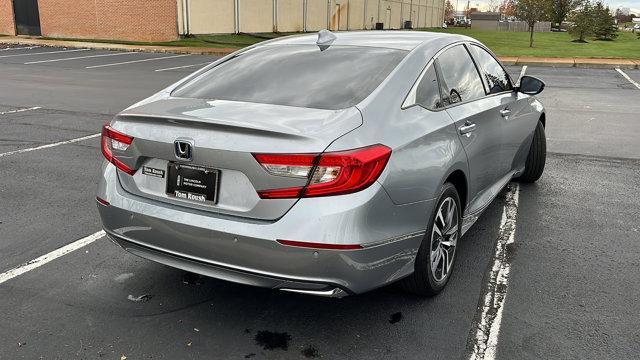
(49, 145)
(523, 71)
(37, 262)
(79, 57)
(136, 61)
(44, 52)
(20, 48)
(485, 340)
(19, 110)
(635, 83)
(184, 66)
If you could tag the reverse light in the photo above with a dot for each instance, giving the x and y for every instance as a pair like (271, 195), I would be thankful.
(328, 174)
(114, 140)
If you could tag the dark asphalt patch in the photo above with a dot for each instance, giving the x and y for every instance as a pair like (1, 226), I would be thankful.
(48, 200)
(310, 352)
(574, 289)
(395, 318)
(193, 279)
(270, 340)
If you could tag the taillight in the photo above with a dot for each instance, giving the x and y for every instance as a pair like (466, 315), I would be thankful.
(334, 173)
(114, 140)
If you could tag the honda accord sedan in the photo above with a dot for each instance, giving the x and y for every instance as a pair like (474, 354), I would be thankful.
(325, 164)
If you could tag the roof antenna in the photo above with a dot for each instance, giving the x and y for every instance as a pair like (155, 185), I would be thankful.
(325, 38)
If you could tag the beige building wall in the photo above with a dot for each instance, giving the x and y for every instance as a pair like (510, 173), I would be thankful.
(316, 15)
(256, 16)
(207, 16)
(290, 15)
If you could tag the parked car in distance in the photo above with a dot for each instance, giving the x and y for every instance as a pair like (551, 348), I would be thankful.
(325, 164)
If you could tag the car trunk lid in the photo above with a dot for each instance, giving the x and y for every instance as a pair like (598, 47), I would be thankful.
(223, 136)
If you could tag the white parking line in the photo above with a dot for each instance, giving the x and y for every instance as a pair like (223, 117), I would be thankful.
(20, 48)
(19, 110)
(136, 61)
(184, 66)
(37, 262)
(523, 71)
(488, 327)
(44, 52)
(49, 145)
(79, 57)
(635, 83)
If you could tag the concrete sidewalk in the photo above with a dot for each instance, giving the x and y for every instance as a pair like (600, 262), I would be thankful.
(507, 60)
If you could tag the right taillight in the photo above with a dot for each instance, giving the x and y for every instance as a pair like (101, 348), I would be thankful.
(114, 140)
(333, 173)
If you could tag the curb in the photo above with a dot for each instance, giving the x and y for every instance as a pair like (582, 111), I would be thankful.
(507, 60)
(118, 47)
(584, 63)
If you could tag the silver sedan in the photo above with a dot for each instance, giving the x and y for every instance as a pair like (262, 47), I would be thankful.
(326, 164)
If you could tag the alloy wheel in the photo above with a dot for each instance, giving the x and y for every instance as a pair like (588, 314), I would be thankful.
(444, 238)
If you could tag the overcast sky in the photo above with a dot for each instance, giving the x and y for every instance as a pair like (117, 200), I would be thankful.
(634, 5)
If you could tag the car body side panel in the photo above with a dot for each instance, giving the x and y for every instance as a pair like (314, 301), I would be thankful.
(519, 128)
(483, 146)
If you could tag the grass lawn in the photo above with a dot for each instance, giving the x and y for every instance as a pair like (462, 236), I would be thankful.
(551, 44)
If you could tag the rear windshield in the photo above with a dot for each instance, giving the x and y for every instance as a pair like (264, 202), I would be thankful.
(337, 77)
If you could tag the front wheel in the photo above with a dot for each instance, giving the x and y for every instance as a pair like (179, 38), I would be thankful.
(534, 167)
(435, 259)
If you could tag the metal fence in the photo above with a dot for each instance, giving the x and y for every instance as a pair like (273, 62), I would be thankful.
(517, 26)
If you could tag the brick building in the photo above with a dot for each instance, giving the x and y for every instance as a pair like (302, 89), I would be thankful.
(164, 20)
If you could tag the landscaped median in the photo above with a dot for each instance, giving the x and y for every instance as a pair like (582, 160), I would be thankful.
(550, 49)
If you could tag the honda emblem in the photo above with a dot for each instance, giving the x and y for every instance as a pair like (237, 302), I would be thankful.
(183, 149)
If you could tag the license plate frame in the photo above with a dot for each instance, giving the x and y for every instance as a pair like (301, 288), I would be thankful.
(194, 183)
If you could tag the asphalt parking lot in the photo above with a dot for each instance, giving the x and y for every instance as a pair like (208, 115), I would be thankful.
(573, 265)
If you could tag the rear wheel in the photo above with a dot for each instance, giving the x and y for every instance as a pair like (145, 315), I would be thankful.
(537, 157)
(435, 259)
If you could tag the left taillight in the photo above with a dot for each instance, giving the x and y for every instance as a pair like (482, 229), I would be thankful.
(115, 140)
(328, 174)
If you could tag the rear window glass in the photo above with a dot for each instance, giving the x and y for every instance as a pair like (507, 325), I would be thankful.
(337, 77)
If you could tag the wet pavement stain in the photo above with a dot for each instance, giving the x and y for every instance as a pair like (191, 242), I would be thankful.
(192, 279)
(395, 318)
(310, 352)
(270, 340)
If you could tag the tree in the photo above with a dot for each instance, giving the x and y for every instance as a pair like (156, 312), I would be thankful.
(531, 11)
(508, 8)
(604, 23)
(583, 22)
(558, 10)
(493, 5)
(449, 11)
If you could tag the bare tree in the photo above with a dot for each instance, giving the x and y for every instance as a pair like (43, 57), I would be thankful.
(531, 11)
(493, 5)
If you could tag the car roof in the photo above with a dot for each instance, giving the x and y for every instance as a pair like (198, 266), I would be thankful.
(392, 39)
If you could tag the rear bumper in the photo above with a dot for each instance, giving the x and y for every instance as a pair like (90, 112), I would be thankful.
(245, 251)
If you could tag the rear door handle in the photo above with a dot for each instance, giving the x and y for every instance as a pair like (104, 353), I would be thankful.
(467, 128)
(505, 113)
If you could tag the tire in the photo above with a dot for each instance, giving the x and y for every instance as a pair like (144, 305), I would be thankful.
(425, 281)
(534, 167)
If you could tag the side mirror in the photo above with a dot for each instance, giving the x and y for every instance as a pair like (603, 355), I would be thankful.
(530, 85)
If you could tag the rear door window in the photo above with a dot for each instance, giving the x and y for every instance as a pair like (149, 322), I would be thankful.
(332, 78)
(460, 80)
(495, 76)
(428, 92)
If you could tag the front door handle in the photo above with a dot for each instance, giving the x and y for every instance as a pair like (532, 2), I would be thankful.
(467, 128)
(505, 113)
